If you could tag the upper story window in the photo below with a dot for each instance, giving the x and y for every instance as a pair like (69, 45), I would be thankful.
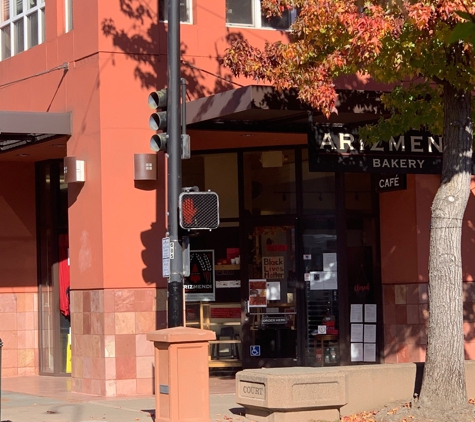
(249, 13)
(185, 11)
(22, 25)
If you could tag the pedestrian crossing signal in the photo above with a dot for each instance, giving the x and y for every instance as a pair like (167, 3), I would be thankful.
(199, 210)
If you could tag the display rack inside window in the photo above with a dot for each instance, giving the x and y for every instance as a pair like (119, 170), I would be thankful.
(225, 320)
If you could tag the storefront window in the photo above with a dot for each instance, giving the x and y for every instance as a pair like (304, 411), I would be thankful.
(269, 182)
(218, 173)
(272, 294)
(318, 189)
(358, 191)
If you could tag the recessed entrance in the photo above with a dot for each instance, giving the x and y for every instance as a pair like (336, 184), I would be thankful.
(53, 268)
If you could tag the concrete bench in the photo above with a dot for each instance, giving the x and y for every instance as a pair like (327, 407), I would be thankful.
(291, 394)
(306, 394)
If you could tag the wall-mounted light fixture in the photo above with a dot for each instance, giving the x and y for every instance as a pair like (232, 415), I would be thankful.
(74, 170)
(145, 166)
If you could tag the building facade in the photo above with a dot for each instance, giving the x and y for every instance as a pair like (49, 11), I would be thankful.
(312, 263)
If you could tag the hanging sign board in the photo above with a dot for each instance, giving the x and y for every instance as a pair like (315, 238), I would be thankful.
(391, 182)
(339, 148)
(200, 285)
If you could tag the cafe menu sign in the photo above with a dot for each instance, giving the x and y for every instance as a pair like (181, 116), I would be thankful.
(200, 285)
(339, 148)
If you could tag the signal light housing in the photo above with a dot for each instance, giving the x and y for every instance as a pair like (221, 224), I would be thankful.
(158, 121)
(158, 99)
(199, 210)
(158, 142)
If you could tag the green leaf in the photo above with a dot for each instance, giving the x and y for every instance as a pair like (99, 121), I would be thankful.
(462, 31)
(465, 15)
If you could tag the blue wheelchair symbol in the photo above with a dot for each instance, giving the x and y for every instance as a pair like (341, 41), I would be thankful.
(255, 350)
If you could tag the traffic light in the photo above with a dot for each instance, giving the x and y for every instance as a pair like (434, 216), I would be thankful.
(199, 210)
(158, 121)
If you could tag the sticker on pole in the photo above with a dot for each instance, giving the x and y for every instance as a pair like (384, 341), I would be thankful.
(255, 350)
(166, 257)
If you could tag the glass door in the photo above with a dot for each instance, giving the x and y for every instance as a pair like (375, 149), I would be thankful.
(270, 297)
(319, 241)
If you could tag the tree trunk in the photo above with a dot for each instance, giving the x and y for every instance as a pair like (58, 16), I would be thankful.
(443, 384)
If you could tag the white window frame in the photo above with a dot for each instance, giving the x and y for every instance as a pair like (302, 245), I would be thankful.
(257, 18)
(189, 9)
(21, 18)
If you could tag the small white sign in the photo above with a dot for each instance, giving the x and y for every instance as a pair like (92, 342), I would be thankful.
(323, 280)
(228, 284)
(370, 313)
(166, 257)
(166, 247)
(369, 352)
(370, 333)
(273, 290)
(307, 257)
(329, 261)
(356, 313)
(166, 268)
(357, 332)
(357, 352)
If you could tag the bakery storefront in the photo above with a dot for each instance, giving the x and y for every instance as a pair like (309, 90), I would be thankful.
(292, 276)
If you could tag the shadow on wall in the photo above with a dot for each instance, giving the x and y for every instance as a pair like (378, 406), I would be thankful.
(142, 44)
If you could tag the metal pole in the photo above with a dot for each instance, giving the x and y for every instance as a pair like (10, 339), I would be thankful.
(175, 282)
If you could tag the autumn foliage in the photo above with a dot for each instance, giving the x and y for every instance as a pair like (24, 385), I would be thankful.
(392, 41)
(423, 51)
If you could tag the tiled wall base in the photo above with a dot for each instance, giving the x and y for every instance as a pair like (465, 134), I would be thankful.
(110, 353)
(19, 333)
(406, 315)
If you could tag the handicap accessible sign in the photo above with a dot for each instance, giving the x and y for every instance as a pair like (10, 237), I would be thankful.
(255, 350)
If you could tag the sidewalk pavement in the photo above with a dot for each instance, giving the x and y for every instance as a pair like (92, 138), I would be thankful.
(49, 399)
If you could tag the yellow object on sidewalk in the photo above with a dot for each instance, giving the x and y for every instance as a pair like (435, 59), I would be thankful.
(68, 354)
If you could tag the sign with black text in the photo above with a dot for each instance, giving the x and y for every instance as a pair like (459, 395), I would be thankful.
(200, 286)
(391, 182)
(339, 148)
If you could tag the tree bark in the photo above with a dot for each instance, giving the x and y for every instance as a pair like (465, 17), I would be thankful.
(443, 384)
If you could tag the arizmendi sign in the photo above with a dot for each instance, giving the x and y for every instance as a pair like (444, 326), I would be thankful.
(338, 148)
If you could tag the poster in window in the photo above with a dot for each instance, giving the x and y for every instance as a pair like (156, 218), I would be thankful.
(200, 285)
(257, 293)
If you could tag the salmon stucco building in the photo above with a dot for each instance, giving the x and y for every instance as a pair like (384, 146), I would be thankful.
(320, 257)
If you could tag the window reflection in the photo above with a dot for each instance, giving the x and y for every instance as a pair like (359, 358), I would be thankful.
(218, 173)
(269, 182)
(318, 189)
(358, 191)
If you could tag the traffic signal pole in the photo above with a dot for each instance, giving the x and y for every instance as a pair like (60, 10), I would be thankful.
(175, 281)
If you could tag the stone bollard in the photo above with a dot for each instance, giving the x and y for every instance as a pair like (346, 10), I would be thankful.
(181, 374)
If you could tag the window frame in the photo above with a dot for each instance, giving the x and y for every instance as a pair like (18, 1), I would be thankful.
(189, 8)
(257, 19)
(9, 26)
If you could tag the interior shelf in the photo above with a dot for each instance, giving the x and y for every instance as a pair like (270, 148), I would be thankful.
(227, 267)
